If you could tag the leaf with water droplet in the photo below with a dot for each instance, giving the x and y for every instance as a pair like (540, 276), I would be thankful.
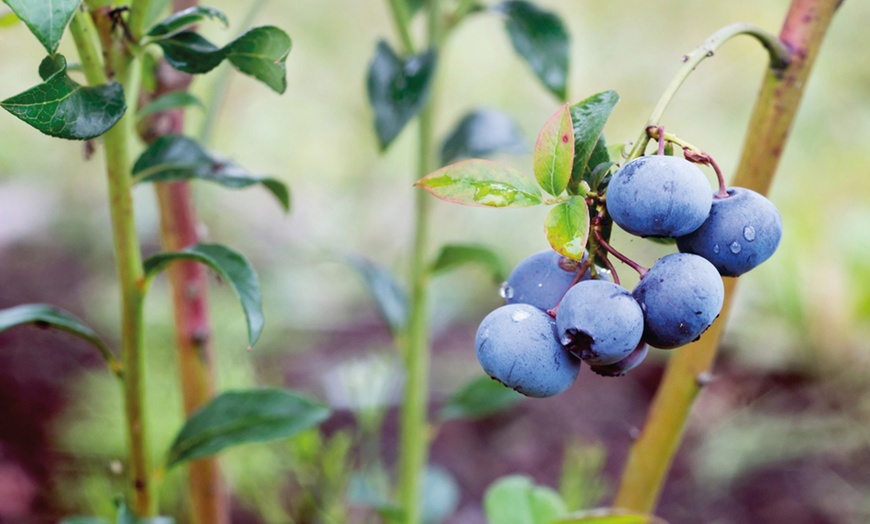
(540, 38)
(554, 152)
(567, 227)
(481, 183)
(589, 116)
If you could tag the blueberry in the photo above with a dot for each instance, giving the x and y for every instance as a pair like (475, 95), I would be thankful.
(680, 296)
(618, 369)
(742, 231)
(659, 196)
(541, 279)
(516, 345)
(599, 322)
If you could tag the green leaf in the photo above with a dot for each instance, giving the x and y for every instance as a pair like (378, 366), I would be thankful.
(173, 100)
(452, 256)
(567, 227)
(439, 495)
(554, 152)
(589, 117)
(482, 183)
(608, 516)
(540, 38)
(172, 158)
(62, 108)
(184, 19)
(516, 500)
(260, 52)
(479, 398)
(240, 417)
(598, 166)
(231, 266)
(397, 89)
(45, 316)
(482, 133)
(389, 296)
(46, 19)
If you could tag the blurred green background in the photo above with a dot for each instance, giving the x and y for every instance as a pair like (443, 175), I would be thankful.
(789, 404)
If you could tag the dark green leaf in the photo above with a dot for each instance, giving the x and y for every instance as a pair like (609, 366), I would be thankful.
(240, 417)
(480, 134)
(479, 398)
(413, 6)
(51, 65)
(46, 19)
(567, 227)
(230, 265)
(454, 255)
(516, 500)
(483, 183)
(181, 20)
(173, 100)
(45, 316)
(608, 516)
(397, 89)
(598, 166)
(172, 158)
(62, 108)
(589, 117)
(540, 38)
(554, 152)
(439, 494)
(261, 52)
(389, 296)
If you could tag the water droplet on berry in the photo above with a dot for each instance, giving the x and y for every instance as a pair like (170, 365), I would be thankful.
(735, 247)
(505, 291)
(716, 249)
(749, 233)
(520, 315)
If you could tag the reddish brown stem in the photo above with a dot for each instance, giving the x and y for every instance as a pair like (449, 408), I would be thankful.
(642, 271)
(661, 130)
(581, 270)
(723, 191)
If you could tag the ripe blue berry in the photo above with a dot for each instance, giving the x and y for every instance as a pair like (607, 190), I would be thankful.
(618, 369)
(680, 296)
(516, 345)
(599, 322)
(541, 279)
(742, 231)
(659, 196)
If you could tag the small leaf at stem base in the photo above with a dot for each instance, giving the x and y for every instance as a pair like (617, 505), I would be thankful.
(567, 227)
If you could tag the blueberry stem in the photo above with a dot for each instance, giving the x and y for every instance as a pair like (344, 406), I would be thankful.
(596, 231)
(661, 132)
(692, 154)
(581, 270)
(779, 59)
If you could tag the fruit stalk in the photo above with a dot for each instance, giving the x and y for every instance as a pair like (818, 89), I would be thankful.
(127, 259)
(414, 433)
(650, 456)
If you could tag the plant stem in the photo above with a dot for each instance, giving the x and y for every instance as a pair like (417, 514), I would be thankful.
(129, 267)
(779, 59)
(414, 426)
(652, 453)
(402, 21)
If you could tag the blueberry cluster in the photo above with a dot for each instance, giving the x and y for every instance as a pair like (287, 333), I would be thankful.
(561, 312)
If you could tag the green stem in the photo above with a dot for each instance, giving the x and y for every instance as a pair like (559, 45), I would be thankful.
(402, 21)
(779, 59)
(129, 268)
(651, 455)
(415, 433)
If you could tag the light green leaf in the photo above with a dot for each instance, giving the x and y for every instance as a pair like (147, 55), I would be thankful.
(540, 38)
(260, 52)
(184, 19)
(439, 495)
(46, 19)
(567, 227)
(172, 158)
(240, 417)
(481, 183)
(516, 500)
(588, 117)
(554, 152)
(62, 108)
(479, 398)
(608, 516)
(230, 265)
(173, 100)
(452, 256)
